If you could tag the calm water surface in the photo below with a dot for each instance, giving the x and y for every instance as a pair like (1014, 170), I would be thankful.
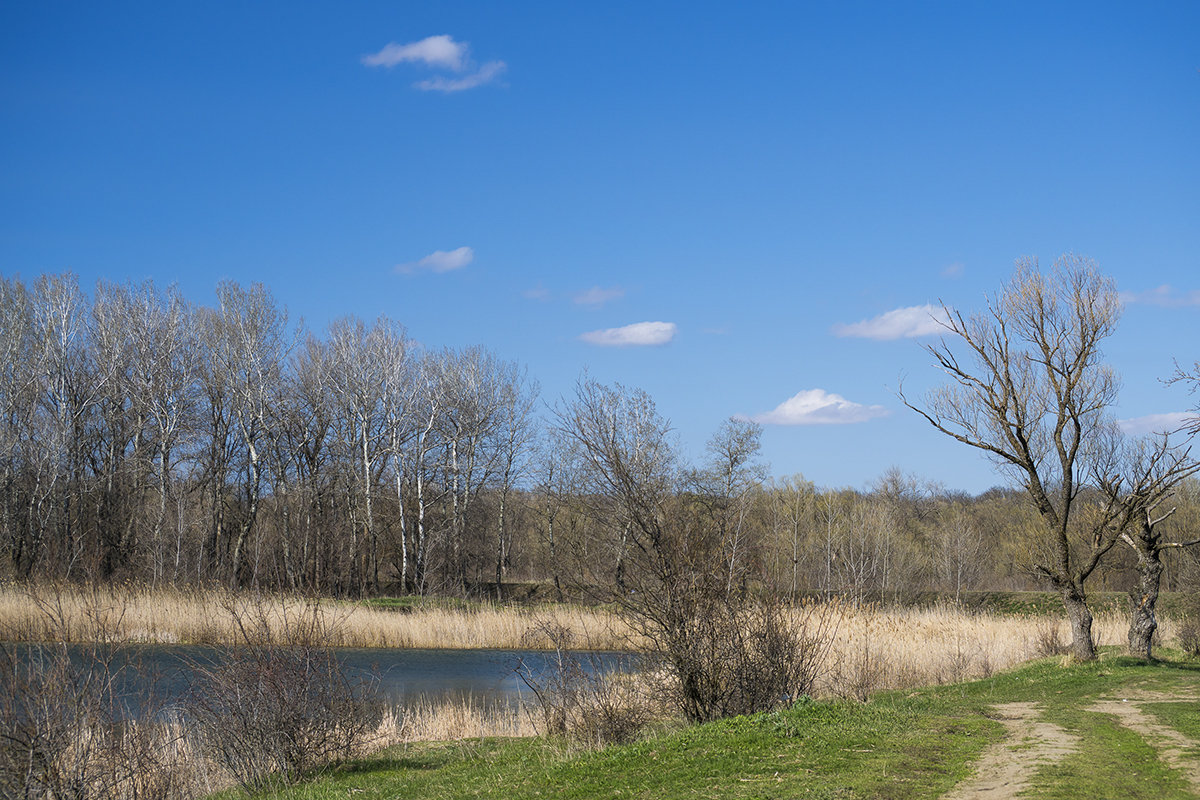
(487, 676)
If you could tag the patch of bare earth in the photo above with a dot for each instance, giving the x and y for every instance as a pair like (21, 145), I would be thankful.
(1007, 767)
(1172, 746)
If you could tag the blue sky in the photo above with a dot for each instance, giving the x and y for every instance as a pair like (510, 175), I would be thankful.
(754, 178)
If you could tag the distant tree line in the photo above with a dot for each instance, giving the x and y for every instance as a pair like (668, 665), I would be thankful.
(147, 438)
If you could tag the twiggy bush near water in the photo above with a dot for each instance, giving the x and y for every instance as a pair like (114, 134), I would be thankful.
(67, 731)
(281, 707)
(742, 655)
(576, 698)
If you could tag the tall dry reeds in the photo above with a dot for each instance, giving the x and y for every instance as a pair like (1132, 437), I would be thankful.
(451, 720)
(171, 616)
(894, 648)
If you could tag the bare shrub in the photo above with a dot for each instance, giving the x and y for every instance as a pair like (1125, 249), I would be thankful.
(742, 655)
(70, 730)
(861, 667)
(577, 699)
(1188, 625)
(281, 706)
(1047, 639)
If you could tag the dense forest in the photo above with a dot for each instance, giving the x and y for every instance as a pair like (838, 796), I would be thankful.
(150, 439)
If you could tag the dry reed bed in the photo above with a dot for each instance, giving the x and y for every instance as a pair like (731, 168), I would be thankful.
(876, 648)
(451, 720)
(212, 618)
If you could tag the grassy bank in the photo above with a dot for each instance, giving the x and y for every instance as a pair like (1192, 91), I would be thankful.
(908, 744)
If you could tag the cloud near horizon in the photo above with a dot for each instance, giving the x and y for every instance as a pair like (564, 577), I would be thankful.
(818, 407)
(438, 52)
(1156, 423)
(1164, 297)
(639, 334)
(901, 323)
(439, 261)
(596, 296)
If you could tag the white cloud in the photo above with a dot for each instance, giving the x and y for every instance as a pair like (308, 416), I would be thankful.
(635, 335)
(901, 323)
(596, 296)
(439, 261)
(1164, 296)
(818, 407)
(434, 51)
(954, 270)
(486, 74)
(1156, 423)
(538, 292)
(439, 52)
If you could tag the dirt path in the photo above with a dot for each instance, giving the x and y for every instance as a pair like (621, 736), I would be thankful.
(1006, 767)
(1170, 743)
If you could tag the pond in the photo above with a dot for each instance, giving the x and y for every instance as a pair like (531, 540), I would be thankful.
(405, 676)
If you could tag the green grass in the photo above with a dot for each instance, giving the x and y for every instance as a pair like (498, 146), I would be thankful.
(898, 745)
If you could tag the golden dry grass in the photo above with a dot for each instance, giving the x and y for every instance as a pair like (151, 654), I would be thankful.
(451, 720)
(871, 647)
(132, 614)
(878, 648)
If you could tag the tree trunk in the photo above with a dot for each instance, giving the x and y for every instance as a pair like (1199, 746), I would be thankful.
(1082, 646)
(1142, 599)
(500, 547)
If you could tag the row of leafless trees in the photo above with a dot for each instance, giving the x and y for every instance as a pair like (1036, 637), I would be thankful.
(145, 437)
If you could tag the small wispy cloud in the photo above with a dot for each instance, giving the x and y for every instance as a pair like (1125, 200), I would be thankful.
(954, 270)
(539, 292)
(438, 52)
(432, 51)
(901, 323)
(439, 261)
(596, 296)
(485, 74)
(639, 334)
(1164, 296)
(1156, 423)
(818, 407)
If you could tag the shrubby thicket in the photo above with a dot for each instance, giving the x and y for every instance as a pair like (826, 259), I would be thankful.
(146, 438)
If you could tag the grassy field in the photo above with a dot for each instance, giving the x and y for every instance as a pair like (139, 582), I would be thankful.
(900, 744)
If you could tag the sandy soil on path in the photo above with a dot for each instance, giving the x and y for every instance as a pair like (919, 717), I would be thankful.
(1172, 745)
(1006, 767)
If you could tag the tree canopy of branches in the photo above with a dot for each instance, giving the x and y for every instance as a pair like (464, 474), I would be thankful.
(1135, 480)
(680, 540)
(1031, 391)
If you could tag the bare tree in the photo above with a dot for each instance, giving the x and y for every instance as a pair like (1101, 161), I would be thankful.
(726, 653)
(515, 433)
(793, 500)
(251, 349)
(726, 483)
(1031, 392)
(1137, 479)
(958, 549)
(356, 381)
(20, 370)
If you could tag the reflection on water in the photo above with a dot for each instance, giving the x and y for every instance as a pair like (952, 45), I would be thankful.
(486, 676)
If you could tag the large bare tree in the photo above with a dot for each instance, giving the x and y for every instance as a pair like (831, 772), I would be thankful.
(1031, 389)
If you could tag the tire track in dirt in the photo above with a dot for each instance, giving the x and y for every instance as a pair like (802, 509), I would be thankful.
(1172, 746)
(1006, 767)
